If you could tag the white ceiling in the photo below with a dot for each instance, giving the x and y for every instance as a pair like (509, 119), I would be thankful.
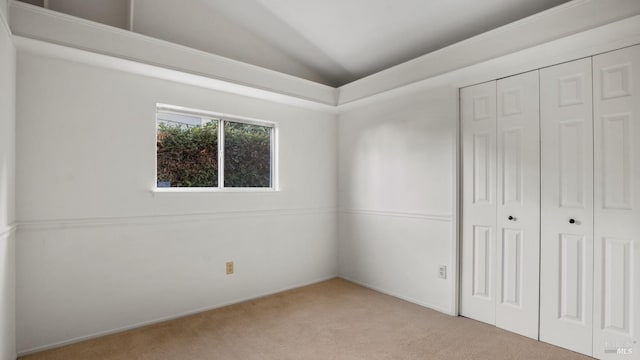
(328, 41)
(344, 40)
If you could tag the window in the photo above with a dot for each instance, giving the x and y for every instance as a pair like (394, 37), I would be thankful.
(197, 149)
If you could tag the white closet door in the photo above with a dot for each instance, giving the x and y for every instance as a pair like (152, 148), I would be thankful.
(566, 276)
(617, 204)
(518, 204)
(478, 112)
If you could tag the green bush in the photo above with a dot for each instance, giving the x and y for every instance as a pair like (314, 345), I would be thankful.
(188, 156)
(247, 155)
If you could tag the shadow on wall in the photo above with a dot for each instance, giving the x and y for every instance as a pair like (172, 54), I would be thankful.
(399, 157)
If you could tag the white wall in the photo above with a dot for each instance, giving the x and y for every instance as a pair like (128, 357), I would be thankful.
(396, 195)
(112, 12)
(185, 22)
(98, 251)
(4, 10)
(189, 65)
(7, 181)
(397, 176)
(397, 172)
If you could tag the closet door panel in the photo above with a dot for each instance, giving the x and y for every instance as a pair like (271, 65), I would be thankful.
(617, 204)
(566, 249)
(518, 204)
(478, 114)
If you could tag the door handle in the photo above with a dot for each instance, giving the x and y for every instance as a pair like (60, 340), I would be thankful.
(512, 218)
(572, 221)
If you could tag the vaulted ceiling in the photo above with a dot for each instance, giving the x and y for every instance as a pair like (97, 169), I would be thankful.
(344, 40)
(328, 41)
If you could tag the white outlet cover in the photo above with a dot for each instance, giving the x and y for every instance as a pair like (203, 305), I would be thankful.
(442, 271)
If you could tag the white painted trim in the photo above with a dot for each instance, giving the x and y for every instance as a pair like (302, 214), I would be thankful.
(195, 70)
(518, 37)
(454, 272)
(399, 296)
(54, 27)
(275, 159)
(39, 225)
(610, 37)
(180, 110)
(174, 190)
(221, 143)
(131, 14)
(413, 215)
(170, 317)
(7, 230)
(48, 49)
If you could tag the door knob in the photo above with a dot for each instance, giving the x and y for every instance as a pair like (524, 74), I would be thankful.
(572, 221)
(511, 218)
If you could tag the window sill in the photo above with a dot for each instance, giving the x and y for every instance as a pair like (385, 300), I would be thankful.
(214, 190)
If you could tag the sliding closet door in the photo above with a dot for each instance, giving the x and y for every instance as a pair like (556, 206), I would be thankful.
(518, 204)
(566, 276)
(617, 204)
(478, 118)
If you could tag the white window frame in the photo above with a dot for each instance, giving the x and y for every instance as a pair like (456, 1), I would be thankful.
(221, 118)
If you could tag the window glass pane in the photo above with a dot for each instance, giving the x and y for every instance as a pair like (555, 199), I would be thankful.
(247, 155)
(187, 151)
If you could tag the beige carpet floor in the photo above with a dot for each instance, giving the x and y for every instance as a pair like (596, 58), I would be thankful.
(334, 319)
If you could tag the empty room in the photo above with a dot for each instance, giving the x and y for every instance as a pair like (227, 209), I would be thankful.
(306, 179)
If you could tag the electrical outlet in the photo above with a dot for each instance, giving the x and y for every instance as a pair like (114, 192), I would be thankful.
(229, 267)
(442, 271)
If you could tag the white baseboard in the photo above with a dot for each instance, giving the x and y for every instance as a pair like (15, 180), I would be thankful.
(399, 296)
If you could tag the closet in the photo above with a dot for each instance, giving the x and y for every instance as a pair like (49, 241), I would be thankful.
(501, 136)
(550, 245)
(567, 203)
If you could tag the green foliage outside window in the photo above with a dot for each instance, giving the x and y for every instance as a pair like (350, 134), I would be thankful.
(188, 155)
